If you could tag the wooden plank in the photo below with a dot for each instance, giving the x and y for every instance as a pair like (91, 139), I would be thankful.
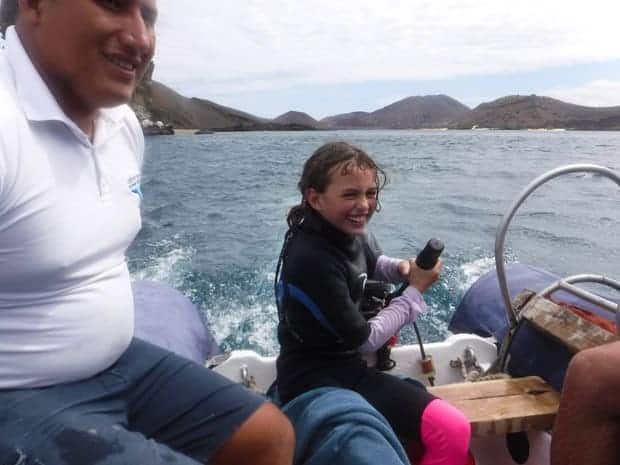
(564, 326)
(493, 388)
(509, 415)
(504, 405)
(521, 300)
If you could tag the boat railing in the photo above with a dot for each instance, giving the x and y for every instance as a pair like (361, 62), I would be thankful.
(564, 284)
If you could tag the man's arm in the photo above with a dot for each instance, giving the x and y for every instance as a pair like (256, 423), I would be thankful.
(587, 427)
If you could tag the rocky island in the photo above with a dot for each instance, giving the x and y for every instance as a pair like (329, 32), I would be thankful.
(158, 103)
(535, 112)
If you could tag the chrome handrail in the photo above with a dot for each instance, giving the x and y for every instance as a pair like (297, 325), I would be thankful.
(566, 284)
(503, 228)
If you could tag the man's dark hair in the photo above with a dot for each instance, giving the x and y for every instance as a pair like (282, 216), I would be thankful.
(8, 14)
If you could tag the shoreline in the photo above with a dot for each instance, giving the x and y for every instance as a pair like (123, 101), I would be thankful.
(192, 132)
(183, 132)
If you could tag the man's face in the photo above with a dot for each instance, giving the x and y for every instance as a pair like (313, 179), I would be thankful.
(92, 53)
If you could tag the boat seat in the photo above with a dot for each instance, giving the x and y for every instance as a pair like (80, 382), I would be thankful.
(560, 323)
(506, 405)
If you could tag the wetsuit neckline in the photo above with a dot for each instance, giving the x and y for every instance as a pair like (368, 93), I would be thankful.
(314, 222)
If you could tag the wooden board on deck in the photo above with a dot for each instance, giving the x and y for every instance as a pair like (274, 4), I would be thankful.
(564, 326)
(503, 405)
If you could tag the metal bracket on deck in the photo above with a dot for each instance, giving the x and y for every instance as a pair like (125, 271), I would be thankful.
(247, 379)
(470, 369)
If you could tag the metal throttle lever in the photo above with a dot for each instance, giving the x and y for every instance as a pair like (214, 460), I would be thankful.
(426, 260)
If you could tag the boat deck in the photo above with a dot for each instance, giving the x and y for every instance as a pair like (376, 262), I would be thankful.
(505, 405)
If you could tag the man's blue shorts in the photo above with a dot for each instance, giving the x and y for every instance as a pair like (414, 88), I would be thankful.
(150, 407)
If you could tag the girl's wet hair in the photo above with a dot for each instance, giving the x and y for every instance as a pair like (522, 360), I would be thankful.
(319, 167)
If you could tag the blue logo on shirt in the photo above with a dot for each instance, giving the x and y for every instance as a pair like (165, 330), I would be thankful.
(134, 186)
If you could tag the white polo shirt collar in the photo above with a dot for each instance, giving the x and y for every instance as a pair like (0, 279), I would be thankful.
(38, 102)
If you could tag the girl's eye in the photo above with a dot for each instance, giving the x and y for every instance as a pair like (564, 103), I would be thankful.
(371, 194)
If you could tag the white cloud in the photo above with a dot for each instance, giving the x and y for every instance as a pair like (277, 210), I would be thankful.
(600, 93)
(248, 45)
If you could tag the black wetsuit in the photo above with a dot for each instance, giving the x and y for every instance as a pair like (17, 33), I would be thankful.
(321, 325)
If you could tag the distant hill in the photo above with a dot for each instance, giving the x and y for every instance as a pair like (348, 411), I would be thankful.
(159, 102)
(429, 111)
(155, 101)
(355, 120)
(297, 117)
(535, 112)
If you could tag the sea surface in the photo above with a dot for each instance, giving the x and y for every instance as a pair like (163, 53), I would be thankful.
(215, 205)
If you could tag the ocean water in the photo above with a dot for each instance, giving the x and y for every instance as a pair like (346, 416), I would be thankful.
(215, 205)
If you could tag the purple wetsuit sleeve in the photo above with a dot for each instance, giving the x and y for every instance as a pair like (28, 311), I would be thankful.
(387, 270)
(402, 310)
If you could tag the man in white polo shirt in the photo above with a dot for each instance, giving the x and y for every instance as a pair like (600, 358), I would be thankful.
(75, 386)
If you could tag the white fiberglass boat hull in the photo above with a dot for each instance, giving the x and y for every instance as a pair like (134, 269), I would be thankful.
(259, 373)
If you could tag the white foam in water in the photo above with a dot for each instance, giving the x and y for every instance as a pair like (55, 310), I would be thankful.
(265, 330)
(471, 271)
(230, 322)
(169, 268)
(224, 324)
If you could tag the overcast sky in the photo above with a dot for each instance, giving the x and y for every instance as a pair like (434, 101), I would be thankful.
(327, 57)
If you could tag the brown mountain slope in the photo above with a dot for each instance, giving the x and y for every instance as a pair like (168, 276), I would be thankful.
(534, 112)
(155, 101)
(167, 105)
(429, 111)
(354, 120)
(297, 117)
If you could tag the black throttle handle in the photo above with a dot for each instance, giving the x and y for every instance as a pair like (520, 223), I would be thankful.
(427, 259)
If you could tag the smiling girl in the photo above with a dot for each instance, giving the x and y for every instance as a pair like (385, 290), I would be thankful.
(326, 259)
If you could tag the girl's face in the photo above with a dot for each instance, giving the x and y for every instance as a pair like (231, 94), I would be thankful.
(349, 200)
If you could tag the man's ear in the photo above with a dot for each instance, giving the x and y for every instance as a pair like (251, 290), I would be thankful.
(313, 198)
